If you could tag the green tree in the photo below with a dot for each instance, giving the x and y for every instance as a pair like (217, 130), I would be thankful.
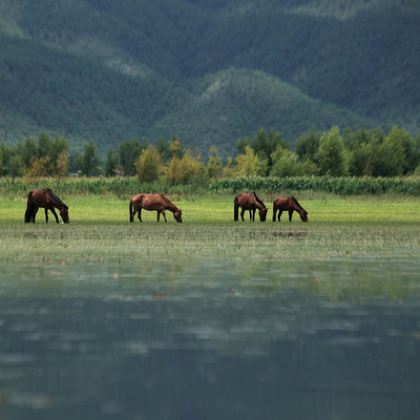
(331, 154)
(175, 147)
(214, 165)
(111, 163)
(28, 151)
(241, 144)
(16, 167)
(164, 149)
(357, 142)
(185, 170)
(90, 160)
(62, 164)
(265, 144)
(149, 165)
(388, 158)
(307, 145)
(410, 147)
(37, 168)
(128, 153)
(250, 164)
(285, 163)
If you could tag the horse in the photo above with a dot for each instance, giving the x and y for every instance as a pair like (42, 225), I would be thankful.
(251, 202)
(290, 204)
(48, 200)
(157, 202)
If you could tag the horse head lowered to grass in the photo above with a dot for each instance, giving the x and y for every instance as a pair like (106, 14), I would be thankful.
(251, 202)
(153, 202)
(47, 199)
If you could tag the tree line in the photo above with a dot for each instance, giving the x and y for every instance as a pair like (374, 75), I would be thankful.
(361, 152)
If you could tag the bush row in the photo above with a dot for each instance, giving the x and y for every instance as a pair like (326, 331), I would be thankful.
(125, 186)
(342, 185)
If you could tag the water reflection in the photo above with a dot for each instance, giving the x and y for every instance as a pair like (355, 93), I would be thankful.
(326, 339)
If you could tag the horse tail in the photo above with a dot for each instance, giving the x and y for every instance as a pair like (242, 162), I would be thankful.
(28, 212)
(258, 199)
(235, 209)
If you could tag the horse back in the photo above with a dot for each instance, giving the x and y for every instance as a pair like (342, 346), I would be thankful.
(282, 203)
(136, 199)
(150, 201)
(245, 200)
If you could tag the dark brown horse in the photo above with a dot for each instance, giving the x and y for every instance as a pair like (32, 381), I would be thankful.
(251, 202)
(156, 202)
(48, 200)
(289, 204)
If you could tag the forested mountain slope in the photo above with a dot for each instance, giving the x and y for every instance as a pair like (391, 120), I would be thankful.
(206, 71)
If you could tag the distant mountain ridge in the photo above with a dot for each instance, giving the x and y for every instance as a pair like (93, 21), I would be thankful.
(208, 72)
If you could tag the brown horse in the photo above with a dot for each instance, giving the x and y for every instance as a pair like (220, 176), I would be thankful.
(157, 202)
(289, 204)
(251, 202)
(48, 200)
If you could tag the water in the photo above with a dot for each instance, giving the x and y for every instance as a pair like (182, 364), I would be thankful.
(210, 338)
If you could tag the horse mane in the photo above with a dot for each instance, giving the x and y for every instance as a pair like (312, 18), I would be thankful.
(171, 206)
(296, 202)
(56, 197)
(258, 200)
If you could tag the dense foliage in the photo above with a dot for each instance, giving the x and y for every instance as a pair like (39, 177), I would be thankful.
(332, 153)
(376, 162)
(208, 72)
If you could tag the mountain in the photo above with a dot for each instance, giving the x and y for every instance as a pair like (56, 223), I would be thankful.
(207, 71)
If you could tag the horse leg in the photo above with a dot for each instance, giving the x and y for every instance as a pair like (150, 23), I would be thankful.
(253, 214)
(158, 215)
(242, 214)
(139, 214)
(280, 212)
(46, 215)
(55, 214)
(274, 214)
(131, 211)
(290, 215)
(28, 214)
(34, 212)
(164, 216)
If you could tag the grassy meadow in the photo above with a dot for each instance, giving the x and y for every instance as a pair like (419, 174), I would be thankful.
(217, 208)
(99, 228)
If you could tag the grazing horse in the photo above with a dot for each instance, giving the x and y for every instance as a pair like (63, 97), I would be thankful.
(290, 204)
(157, 202)
(251, 202)
(48, 200)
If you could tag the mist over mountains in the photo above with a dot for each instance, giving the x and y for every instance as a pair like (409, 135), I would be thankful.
(206, 71)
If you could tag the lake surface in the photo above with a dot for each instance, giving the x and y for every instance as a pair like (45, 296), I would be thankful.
(215, 332)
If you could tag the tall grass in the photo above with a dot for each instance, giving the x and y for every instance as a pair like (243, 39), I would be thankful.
(119, 186)
(125, 186)
(342, 186)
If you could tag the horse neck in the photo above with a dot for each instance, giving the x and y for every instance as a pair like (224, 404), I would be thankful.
(296, 206)
(56, 201)
(170, 206)
(258, 203)
(260, 206)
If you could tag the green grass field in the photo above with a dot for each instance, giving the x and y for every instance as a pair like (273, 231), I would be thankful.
(99, 228)
(218, 208)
